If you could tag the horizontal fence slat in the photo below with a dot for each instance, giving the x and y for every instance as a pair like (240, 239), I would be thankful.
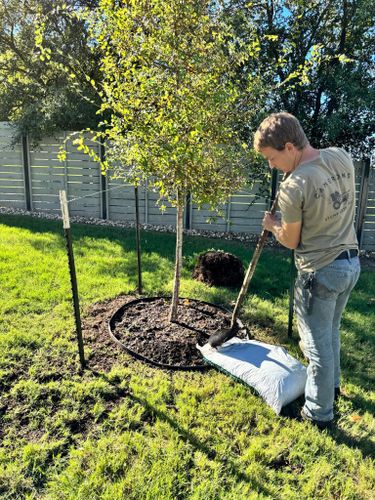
(81, 177)
(10, 179)
(12, 196)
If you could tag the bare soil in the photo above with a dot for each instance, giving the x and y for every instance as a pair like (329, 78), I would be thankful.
(104, 351)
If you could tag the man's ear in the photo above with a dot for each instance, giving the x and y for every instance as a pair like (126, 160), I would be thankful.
(290, 147)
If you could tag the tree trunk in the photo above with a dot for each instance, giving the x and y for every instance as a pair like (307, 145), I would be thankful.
(178, 262)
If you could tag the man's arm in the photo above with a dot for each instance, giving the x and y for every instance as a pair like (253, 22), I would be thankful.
(288, 234)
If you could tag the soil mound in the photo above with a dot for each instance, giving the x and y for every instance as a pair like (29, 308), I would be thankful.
(219, 269)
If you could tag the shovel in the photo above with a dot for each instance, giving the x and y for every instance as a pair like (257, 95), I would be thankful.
(217, 339)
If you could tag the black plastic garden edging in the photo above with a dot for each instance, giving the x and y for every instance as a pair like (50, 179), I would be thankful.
(140, 357)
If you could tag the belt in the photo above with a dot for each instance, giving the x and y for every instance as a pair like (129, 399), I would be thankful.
(346, 254)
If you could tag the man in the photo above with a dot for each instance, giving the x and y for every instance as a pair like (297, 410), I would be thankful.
(317, 205)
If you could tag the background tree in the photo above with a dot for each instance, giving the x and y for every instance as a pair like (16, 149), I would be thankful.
(38, 99)
(331, 93)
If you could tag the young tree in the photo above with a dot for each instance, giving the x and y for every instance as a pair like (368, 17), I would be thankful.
(168, 83)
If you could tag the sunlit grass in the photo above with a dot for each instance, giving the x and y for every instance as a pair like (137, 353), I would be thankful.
(138, 432)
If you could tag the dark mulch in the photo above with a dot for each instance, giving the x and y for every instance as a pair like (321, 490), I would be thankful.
(144, 328)
(104, 351)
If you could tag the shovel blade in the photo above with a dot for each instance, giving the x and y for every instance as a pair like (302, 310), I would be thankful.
(217, 339)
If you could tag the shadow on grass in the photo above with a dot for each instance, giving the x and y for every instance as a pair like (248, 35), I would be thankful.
(366, 446)
(362, 404)
(340, 436)
(354, 369)
(188, 437)
(358, 349)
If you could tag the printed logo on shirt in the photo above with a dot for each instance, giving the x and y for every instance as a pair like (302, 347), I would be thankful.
(339, 199)
(320, 191)
(339, 203)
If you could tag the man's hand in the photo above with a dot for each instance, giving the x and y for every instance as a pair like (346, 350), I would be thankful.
(270, 221)
(288, 234)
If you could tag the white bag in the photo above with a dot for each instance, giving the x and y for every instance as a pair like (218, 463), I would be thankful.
(270, 370)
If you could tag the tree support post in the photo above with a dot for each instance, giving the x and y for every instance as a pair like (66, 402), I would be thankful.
(73, 277)
(291, 294)
(138, 239)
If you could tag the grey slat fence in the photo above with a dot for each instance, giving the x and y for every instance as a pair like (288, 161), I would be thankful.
(31, 177)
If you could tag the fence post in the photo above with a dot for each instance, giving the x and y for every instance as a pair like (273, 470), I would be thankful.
(146, 202)
(103, 184)
(188, 212)
(362, 199)
(228, 214)
(66, 175)
(26, 172)
(274, 180)
(291, 294)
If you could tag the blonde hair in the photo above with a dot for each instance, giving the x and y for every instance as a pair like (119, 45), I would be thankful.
(278, 129)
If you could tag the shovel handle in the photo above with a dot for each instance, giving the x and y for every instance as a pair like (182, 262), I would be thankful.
(264, 234)
(254, 261)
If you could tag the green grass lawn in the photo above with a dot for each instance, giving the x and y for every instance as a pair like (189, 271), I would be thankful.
(143, 433)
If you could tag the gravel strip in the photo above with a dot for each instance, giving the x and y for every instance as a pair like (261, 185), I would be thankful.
(243, 237)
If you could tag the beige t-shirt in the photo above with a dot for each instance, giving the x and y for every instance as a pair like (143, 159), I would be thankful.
(321, 194)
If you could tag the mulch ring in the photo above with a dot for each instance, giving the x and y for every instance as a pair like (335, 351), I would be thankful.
(143, 328)
(104, 353)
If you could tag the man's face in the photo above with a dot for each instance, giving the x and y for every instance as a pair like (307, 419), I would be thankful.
(283, 160)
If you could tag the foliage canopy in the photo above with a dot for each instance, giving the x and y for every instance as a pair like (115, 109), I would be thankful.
(37, 98)
(318, 57)
(168, 83)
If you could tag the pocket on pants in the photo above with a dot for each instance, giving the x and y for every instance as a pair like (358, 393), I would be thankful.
(309, 288)
(334, 279)
(322, 291)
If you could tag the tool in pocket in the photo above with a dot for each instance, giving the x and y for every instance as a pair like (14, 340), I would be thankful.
(307, 285)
